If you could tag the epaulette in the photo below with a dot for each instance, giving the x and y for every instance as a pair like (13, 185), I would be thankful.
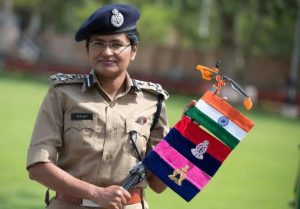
(150, 87)
(61, 78)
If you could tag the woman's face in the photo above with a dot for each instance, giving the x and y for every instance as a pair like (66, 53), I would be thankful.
(110, 55)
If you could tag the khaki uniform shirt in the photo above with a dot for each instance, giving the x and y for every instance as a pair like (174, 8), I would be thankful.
(85, 133)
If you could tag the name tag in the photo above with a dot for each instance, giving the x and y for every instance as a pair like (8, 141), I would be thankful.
(81, 116)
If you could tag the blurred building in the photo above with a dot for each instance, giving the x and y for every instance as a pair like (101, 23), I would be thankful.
(174, 67)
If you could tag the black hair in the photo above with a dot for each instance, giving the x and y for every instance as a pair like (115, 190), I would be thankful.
(133, 37)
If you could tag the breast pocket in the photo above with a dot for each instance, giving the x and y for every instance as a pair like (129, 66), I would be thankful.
(140, 134)
(80, 134)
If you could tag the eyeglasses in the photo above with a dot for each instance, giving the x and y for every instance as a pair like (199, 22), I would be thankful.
(100, 46)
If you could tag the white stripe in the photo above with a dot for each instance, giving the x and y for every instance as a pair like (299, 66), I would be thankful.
(89, 203)
(214, 114)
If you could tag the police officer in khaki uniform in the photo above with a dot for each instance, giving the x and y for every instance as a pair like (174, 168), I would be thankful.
(82, 145)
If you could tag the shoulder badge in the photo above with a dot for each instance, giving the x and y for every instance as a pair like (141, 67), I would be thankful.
(151, 87)
(61, 78)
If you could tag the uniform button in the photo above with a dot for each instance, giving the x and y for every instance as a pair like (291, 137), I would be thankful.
(108, 157)
(112, 104)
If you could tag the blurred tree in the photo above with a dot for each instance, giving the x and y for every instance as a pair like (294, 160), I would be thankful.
(253, 27)
(59, 15)
(232, 22)
(265, 28)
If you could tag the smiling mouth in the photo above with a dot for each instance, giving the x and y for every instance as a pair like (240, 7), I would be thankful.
(107, 61)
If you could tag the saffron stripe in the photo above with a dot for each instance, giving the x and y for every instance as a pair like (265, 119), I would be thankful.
(196, 135)
(161, 169)
(177, 161)
(213, 127)
(231, 127)
(208, 164)
(226, 109)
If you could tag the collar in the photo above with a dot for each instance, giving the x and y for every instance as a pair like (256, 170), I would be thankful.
(91, 79)
(131, 84)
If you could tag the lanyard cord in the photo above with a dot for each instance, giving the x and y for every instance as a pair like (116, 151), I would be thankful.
(133, 137)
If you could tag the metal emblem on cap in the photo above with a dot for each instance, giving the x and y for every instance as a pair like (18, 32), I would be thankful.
(117, 18)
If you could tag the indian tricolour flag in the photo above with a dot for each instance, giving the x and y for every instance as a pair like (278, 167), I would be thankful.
(220, 118)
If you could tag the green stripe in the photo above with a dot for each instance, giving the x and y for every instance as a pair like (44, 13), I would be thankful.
(227, 138)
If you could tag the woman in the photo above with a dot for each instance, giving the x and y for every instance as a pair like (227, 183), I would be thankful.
(83, 143)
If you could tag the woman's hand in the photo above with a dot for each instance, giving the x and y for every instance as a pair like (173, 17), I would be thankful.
(189, 105)
(112, 197)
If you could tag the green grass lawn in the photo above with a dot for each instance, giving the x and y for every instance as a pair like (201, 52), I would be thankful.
(260, 173)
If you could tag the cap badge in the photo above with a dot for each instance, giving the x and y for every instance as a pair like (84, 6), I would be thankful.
(117, 18)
